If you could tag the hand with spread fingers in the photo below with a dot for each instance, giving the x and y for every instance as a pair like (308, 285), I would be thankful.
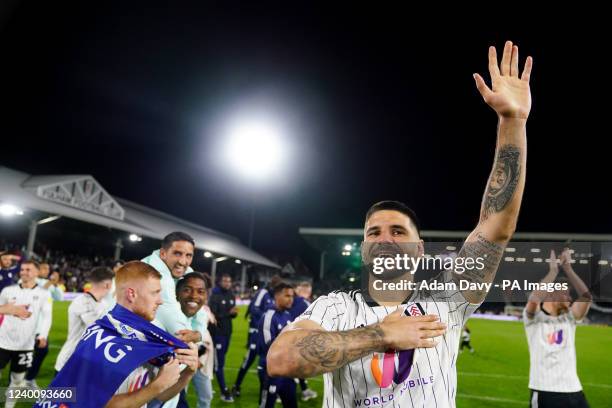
(509, 94)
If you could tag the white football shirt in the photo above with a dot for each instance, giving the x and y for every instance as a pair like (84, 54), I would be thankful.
(19, 334)
(552, 352)
(388, 379)
(83, 311)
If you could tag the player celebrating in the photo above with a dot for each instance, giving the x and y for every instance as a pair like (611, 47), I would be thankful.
(550, 322)
(114, 364)
(84, 310)
(17, 336)
(370, 353)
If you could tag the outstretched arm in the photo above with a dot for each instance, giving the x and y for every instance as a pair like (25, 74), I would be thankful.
(510, 97)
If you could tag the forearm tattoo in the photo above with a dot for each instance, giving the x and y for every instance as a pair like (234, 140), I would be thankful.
(490, 252)
(503, 180)
(324, 351)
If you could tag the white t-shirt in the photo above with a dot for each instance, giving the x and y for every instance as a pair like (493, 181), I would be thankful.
(19, 334)
(83, 311)
(368, 382)
(552, 352)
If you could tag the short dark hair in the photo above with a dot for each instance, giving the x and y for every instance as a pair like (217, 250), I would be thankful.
(280, 287)
(31, 262)
(191, 275)
(174, 237)
(275, 280)
(100, 274)
(394, 206)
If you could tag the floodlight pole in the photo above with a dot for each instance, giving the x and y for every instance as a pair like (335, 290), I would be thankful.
(322, 265)
(243, 278)
(32, 232)
(31, 237)
(213, 268)
(118, 247)
(243, 273)
(252, 224)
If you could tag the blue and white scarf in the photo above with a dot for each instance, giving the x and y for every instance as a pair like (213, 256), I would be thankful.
(109, 350)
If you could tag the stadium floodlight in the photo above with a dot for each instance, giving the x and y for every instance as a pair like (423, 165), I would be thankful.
(255, 287)
(348, 247)
(509, 259)
(510, 249)
(10, 210)
(535, 250)
(255, 147)
(135, 238)
(238, 261)
(451, 248)
(207, 254)
(352, 279)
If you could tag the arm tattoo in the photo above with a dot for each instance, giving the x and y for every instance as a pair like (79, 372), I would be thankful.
(491, 254)
(503, 181)
(324, 351)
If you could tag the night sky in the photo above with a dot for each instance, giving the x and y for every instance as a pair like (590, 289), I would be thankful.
(380, 104)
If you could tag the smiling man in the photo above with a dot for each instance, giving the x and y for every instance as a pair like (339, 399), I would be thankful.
(400, 348)
(192, 294)
(19, 335)
(172, 261)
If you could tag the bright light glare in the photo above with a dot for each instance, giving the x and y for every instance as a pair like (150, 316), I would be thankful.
(207, 254)
(255, 148)
(238, 261)
(348, 247)
(9, 210)
(135, 238)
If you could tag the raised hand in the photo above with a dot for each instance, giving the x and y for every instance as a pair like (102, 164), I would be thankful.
(509, 94)
(566, 257)
(553, 265)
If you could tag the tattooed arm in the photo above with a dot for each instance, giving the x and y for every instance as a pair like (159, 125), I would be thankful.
(304, 349)
(510, 97)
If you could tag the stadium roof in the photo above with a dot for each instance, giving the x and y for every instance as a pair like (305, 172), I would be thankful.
(323, 238)
(82, 198)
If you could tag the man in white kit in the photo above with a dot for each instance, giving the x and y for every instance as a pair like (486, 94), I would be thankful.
(84, 310)
(550, 323)
(371, 353)
(17, 335)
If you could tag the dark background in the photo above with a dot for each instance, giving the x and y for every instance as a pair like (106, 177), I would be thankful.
(382, 105)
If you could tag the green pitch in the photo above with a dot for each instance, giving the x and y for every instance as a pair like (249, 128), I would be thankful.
(496, 375)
